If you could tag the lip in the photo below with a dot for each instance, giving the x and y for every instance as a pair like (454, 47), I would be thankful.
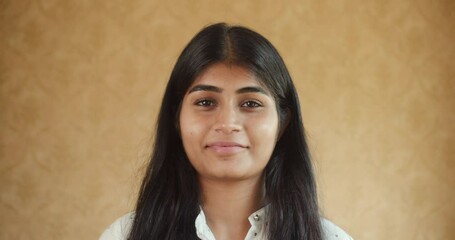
(226, 148)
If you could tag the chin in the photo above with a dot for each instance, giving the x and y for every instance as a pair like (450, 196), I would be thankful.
(238, 175)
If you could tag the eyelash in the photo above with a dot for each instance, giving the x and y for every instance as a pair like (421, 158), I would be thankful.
(205, 102)
(251, 102)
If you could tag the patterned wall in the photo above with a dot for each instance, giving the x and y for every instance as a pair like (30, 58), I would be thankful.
(81, 83)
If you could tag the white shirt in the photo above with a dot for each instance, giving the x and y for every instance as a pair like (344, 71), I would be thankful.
(120, 229)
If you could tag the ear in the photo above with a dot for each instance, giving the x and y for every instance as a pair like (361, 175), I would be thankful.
(284, 123)
(177, 125)
(177, 119)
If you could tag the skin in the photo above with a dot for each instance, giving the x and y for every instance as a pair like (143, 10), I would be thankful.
(229, 128)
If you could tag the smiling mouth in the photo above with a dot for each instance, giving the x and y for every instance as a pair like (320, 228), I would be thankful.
(226, 148)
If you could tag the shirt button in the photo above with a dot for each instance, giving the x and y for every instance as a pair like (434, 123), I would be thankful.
(256, 217)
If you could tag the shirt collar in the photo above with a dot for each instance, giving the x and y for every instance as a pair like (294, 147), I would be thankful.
(256, 231)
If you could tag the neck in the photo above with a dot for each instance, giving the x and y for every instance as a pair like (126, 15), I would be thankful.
(228, 204)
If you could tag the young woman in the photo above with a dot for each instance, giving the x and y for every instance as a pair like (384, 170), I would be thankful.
(230, 159)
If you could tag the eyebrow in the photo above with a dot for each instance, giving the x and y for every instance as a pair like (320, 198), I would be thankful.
(210, 88)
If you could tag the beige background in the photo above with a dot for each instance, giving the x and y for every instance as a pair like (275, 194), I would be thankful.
(81, 83)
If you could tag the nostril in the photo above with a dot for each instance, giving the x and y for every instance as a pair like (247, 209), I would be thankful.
(227, 128)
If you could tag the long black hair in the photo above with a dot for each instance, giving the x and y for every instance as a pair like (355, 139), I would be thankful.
(169, 198)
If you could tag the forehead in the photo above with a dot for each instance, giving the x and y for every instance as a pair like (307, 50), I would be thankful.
(227, 75)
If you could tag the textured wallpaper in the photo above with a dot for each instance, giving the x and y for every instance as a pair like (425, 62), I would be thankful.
(81, 83)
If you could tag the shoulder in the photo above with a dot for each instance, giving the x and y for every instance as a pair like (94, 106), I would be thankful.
(120, 229)
(332, 231)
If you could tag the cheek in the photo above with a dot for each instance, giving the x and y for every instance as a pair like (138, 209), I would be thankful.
(191, 128)
(263, 134)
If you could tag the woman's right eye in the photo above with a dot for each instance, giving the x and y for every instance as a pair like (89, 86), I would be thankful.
(205, 103)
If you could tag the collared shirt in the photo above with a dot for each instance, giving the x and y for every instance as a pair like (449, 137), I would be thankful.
(120, 229)
(255, 233)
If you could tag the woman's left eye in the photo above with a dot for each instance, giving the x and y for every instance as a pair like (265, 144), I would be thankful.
(251, 104)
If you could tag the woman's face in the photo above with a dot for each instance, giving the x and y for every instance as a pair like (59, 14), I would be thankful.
(228, 124)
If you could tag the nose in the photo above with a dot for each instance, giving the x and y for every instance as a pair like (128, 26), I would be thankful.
(227, 121)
